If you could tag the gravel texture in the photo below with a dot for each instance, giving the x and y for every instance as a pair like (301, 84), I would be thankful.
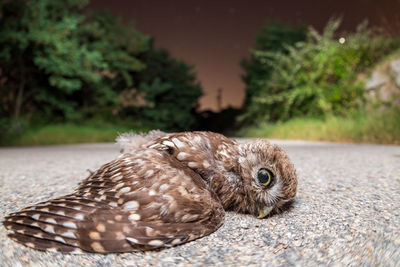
(347, 210)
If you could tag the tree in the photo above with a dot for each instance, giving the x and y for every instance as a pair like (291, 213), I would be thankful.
(170, 90)
(59, 61)
(273, 37)
(56, 59)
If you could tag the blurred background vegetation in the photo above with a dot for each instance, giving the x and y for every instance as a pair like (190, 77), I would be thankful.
(314, 86)
(71, 75)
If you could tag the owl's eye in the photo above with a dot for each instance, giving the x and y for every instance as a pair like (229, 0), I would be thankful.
(265, 177)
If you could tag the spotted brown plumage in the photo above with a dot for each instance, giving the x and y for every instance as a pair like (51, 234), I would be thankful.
(164, 190)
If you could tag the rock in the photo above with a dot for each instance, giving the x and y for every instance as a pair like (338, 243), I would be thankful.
(377, 80)
(383, 86)
(395, 65)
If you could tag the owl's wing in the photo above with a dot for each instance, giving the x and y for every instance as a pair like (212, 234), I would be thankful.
(140, 202)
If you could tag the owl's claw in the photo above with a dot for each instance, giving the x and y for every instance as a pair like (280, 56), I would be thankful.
(264, 212)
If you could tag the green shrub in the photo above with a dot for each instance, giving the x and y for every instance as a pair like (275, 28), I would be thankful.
(272, 37)
(317, 77)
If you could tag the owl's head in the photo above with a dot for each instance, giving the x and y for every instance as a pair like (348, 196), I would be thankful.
(268, 176)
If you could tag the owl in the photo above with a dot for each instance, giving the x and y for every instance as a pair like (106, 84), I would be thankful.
(162, 191)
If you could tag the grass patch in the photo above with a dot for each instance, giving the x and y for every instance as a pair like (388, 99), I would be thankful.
(380, 128)
(67, 134)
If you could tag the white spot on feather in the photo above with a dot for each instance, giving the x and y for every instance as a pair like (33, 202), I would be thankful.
(176, 241)
(224, 153)
(149, 173)
(132, 240)
(76, 251)
(134, 217)
(164, 187)
(181, 156)
(113, 204)
(70, 225)
(125, 189)
(153, 145)
(178, 143)
(60, 212)
(131, 205)
(197, 139)
(166, 196)
(119, 185)
(51, 220)
(192, 164)
(69, 235)
(156, 243)
(36, 216)
(117, 177)
(60, 239)
(49, 229)
(79, 216)
(38, 235)
(168, 143)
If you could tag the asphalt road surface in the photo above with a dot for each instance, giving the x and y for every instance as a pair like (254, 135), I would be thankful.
(346, 213)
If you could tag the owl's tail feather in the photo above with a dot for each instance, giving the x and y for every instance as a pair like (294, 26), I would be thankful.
(48, 226)
(41, 230)
(43, 244)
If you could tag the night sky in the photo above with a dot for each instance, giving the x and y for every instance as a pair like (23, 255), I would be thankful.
(215, 35)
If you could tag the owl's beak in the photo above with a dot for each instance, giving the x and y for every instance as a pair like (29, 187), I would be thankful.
(264, 212)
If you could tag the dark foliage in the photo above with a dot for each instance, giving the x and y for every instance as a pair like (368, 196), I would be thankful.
(60, 62)
(273, 37)
(169, 89)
